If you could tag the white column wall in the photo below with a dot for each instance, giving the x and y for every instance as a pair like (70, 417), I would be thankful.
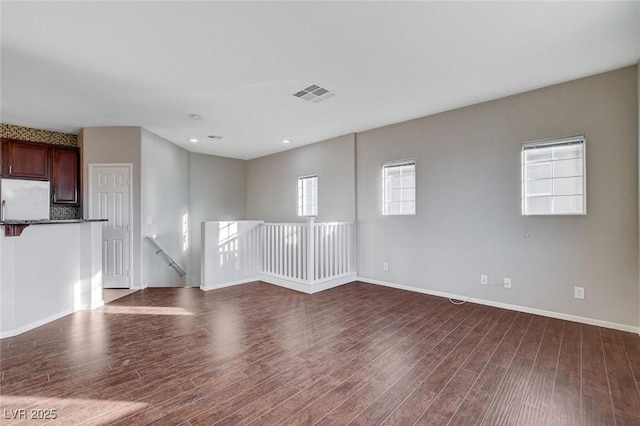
(219, 267)
(48, 272)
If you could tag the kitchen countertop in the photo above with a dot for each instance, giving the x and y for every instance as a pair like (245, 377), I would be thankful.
(48, 221)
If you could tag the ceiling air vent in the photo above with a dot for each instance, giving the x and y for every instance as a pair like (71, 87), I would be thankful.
(314, 93)
(215, 137)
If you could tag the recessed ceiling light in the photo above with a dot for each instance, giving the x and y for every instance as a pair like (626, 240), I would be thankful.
(193, 140)
(215, 137)
(286, 141)
(195, 116)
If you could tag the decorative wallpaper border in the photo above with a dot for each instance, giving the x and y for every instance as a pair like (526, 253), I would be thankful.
(37, 135)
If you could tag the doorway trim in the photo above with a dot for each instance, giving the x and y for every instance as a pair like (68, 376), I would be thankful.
(132, 227)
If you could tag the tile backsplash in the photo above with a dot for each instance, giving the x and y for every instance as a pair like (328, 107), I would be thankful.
(37, 135)
(64, 212)
(11, 131)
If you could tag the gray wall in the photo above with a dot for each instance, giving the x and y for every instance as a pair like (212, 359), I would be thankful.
(115, 145)
(468, 218)
(468, 221)
(165, 201)
(272, 182)
(168, 182)
(218, 192)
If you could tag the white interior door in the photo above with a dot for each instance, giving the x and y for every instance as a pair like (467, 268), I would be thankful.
(110, 198)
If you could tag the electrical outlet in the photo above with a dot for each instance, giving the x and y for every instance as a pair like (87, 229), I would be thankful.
(578, 292)
(507, 283)
(385, 266)
(484, 279)
(237, 266)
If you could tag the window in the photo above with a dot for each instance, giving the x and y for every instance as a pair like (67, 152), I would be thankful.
(399, 188)
(308, 195)
(553, 177)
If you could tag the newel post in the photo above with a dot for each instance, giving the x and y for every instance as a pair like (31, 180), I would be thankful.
(311, 255)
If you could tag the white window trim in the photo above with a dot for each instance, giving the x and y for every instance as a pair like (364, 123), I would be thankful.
(578, 139)
(300, 207)
(396, 163)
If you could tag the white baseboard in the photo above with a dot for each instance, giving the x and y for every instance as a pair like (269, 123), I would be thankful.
(43, 321)
(331, 283)
(292, 284)
(229, 284)
(519, 308)
(308, 288)
(282, 282)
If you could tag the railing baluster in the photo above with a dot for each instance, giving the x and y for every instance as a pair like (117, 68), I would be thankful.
(311, 229)
(280, 250)
(273, 249)
(320, 263)
(351, 252)
(332, 247)
(289, 246)
(340, 248)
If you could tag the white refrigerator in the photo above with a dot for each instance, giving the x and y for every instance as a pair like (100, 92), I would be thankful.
(24, 199)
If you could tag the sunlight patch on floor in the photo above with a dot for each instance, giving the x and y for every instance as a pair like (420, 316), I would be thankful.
(146, 310)
(47, 409)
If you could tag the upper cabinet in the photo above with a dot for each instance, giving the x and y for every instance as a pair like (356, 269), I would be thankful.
(65, 176)
(39, 161)
(26, 160)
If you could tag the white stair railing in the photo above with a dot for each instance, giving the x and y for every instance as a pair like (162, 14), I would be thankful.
(309, 252)
(163, 252)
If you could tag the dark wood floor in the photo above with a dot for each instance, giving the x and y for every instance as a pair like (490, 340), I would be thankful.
(358, 354)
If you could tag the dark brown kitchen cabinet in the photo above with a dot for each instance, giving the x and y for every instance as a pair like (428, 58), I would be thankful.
(25, 160)
(65, 176)
(40, 161)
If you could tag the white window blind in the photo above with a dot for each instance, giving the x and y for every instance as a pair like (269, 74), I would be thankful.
(308, 195)
(399, 188)
(553, 177)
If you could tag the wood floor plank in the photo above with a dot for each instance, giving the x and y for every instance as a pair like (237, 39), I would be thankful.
(632, 347)
(539, 388)
(485, 350)
(448, 401)
(594, 373)
(566, 400)
(533, 337)
(412, 408)
(572, 339)
(509, 345)
(506, 403)
(396, 394)
(623, 387)
(359, 353)
(475, 404)
(288, 408)
(321, 407)
(392, 365)
(597, 408)
(624, 419)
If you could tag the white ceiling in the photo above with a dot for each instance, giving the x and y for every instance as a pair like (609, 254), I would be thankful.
(68, 65)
